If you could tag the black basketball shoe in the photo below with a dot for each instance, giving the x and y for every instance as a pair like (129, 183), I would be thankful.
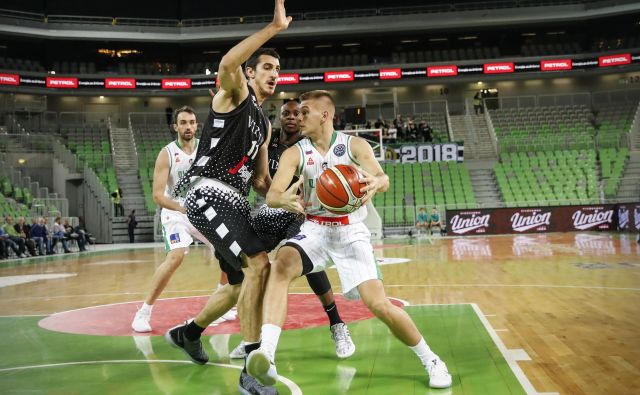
(193, 349)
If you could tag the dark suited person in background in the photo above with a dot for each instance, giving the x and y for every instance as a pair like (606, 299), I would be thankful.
(132, 224)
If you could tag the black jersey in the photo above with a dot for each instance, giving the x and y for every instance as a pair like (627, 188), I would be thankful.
(229, 146)
(276, 148)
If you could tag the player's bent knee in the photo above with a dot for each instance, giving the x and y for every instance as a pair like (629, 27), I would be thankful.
(232, 291)
(257, 265)
(289, 262)
(175, 257)
(380, 308)
(282, 269)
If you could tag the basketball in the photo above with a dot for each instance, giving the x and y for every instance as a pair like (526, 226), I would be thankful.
(338, 189)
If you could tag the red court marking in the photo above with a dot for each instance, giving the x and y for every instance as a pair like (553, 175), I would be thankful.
(305, 311)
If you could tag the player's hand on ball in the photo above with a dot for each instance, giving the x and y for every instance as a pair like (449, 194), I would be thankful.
(371, 185)
(291, 200)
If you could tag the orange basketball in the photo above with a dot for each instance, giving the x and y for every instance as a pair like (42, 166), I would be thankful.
(338, 189)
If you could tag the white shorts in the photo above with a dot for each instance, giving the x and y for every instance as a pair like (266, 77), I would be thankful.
(178, 232)
(348, 247)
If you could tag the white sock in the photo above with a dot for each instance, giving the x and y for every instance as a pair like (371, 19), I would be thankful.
(270, 336)
(423, 352)
(146, 308)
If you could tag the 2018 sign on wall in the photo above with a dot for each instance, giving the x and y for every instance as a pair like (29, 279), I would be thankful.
(430, 153)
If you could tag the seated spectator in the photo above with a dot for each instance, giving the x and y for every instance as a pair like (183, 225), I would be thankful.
(71, 234)
(398, 123)
(23, 230)
(81, 230)
(47, 228)
(40, 236)
(14, 236)
(3, 247)
(58, 234)
(412, 131)
(434, 220)
(392, 135)
(422, 219)
(426, 132)
(8, 243)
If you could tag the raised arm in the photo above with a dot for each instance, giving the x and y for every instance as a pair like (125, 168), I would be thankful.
(281, 195)
(233, 83)
(160, 177)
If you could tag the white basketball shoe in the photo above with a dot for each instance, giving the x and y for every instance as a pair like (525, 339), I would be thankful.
(439, 376)
(230, 315)
(141, 322)
(238, 352)
(344, 345)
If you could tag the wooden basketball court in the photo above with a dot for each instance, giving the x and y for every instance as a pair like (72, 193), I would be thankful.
(545, 313)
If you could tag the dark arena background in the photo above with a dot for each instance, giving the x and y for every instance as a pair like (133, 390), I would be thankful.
(518, 121)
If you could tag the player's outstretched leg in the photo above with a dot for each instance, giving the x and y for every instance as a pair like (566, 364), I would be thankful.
(261, 362)
(250, 302)
(403, 327)
(142, 320)
(232, 314)
(187, 336)
(177, 338)
(321, 286)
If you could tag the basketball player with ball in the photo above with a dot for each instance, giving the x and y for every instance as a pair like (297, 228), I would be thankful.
(333, 233)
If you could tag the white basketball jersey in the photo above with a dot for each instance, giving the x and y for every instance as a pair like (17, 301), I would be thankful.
(179, 163)
(312, 164)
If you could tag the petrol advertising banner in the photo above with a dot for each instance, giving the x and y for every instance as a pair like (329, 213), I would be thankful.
(9, 79)
(288, 79)
(565, 65)
(338, 76)
(390, 74)
(62, 82)
(120, 83)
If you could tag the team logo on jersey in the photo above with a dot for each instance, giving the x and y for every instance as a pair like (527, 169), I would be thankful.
(299, 237)
(309, 152)
(310, 162)
(174, 238)
(218, 123)
(339, 150)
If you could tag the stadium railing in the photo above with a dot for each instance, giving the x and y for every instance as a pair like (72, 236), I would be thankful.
(19, 17)
(97, 207)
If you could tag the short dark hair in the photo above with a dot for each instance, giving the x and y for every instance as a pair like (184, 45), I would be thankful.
(317, 94)
(180, 110)
(255, 57)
